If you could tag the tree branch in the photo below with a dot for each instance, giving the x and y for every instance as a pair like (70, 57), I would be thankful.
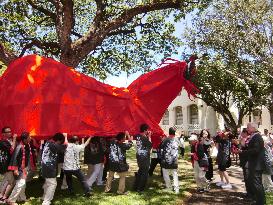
(100, 14)
(98, 32)
(64, 19)
(49, 46)
(64, 22)
(76, 34)
(6, 56)
(121, 31)
(128, 14)
(41, 9)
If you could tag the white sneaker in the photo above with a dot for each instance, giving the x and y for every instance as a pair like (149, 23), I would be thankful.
(220, 183)
(226, 186)
(63, 187)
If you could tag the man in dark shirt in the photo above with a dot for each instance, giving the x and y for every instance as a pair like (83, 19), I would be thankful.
(255, 164)
(143, 146)
(95, 156)
(7, 145)
(244, 140)
(117, 161)
(19, 163)
(49, 165)
(169, 160)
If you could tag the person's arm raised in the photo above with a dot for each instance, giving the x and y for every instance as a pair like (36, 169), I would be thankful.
(14, 138)
(87, 141)
(129, 137)
(65, 139)
(149, 136)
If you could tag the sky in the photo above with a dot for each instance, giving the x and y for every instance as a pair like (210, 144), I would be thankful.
(123, 81)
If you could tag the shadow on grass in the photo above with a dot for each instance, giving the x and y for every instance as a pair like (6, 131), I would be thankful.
(154, 194)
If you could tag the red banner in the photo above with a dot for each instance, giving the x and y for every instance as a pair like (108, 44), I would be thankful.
(43, 96)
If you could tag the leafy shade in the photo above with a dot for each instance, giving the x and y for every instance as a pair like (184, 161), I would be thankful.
(3, 67)
(102, 36)
(223, 90)
(236, 36)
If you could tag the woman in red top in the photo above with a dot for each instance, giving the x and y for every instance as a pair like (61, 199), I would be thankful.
(200, 163)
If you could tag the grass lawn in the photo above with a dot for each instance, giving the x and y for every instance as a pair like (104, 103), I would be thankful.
(269, 198)
(153, 195)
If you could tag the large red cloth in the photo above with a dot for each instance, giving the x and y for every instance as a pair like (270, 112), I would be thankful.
(43, 96)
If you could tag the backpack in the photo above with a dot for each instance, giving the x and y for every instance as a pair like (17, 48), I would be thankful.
(204, 162)
(4, 156)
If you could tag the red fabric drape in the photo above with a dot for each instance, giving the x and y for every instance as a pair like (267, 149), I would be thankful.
(43, 96)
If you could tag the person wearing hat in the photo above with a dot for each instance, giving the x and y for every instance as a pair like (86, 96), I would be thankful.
(169, 160)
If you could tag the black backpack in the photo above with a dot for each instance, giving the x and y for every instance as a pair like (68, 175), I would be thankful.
(5, 156)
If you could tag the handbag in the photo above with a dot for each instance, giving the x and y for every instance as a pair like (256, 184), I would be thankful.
(204, 162)
(214, 152)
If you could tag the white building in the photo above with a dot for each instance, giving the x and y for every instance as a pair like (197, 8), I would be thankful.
(193, 115)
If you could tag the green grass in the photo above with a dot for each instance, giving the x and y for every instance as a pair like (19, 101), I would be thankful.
(269, 198)
(154, 193)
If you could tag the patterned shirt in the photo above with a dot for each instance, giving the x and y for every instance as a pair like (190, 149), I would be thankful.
(50, 158)
(72, 156)
(143, 147)
(169, 153)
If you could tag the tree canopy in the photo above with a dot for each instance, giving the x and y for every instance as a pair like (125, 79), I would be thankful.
(96, 36)
(236, 37)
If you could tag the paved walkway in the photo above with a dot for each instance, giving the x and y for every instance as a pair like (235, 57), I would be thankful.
(218, 196)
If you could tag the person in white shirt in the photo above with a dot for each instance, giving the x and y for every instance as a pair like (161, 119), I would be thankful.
(266, 137)
(182, 144)
(266, 177)
(71, 164)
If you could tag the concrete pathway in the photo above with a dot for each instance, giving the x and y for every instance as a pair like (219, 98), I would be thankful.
(218, 196)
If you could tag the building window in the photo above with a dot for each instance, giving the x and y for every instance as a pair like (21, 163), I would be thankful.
(193, 114)
(165, 120)
(257, 116)
(178, 116)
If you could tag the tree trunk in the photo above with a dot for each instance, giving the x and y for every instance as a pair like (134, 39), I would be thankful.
(271, 113)
(231, 122)
(70, 59)
(270, 108)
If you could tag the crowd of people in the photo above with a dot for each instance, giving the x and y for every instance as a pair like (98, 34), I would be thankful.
(254, 151)
(105, 157)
